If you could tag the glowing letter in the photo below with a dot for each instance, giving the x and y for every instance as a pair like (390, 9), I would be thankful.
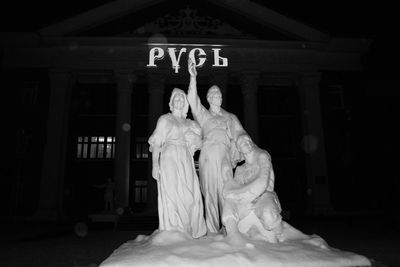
(217, 58)
(175, 62)
(153, 56)
(201, 59)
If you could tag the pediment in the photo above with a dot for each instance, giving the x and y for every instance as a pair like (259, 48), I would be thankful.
(242, 19)
(185, 20)
(188, 22)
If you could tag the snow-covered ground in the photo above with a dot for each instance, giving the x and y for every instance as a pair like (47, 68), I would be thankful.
(38, 245)
(168, 248)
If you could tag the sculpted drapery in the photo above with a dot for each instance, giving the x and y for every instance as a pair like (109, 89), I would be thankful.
(173, 143)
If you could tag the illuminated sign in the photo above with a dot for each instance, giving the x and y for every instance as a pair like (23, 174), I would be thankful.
(157, 53)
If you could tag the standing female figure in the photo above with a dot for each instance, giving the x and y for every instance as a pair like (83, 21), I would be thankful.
(173, 143)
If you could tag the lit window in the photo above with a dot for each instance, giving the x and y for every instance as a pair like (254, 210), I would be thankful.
(108, 151)
(141, 148)
(93, 147)
(79, 151)
(100, 150)
(99, 147)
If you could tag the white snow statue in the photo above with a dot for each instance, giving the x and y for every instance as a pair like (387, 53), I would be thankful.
(173, 144)
(251, 206)
(256, 234)
(218, 155)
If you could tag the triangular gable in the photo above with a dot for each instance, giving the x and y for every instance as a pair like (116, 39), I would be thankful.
(181, 20)
(187, 22)
(261, 15)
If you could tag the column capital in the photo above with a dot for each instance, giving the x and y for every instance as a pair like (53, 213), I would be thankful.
(249, 75)
(249, 72)
(54, 71)
(159, 74)
(61, 79)
(308, 78)
(125, 75)
(125, 79)
(60, 73)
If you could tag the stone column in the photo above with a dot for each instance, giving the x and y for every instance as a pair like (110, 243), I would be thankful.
(313, 144)
(220, 79)
(53, 170)
(156, 86)
(249, 84)
(125, 80)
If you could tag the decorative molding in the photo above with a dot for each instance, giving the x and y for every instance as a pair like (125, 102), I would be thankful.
(187, 23)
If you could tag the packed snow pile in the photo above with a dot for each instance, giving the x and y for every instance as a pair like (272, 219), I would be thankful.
(168, 248)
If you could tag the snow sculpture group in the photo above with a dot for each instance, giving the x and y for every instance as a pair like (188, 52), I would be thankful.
(252, 231)
(247, 202)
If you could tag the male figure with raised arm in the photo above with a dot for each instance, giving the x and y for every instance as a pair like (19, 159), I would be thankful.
(218, 155)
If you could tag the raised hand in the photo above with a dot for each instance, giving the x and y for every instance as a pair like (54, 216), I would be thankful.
(192, 67)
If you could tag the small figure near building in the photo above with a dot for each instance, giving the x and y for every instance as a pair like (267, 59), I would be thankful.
(108, 194)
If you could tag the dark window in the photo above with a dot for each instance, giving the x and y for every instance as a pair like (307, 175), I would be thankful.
(140, 191)
(30, 91)
(24, 141)
(335, 97)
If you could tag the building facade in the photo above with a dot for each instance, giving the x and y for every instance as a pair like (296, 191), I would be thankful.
(87, 100)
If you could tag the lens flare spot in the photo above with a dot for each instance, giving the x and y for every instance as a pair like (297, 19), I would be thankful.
(120, 211)
(126, 127)
(81, 229)
(309, 143)
(158, 39)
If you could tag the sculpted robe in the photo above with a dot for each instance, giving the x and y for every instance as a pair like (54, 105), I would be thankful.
(180, 206)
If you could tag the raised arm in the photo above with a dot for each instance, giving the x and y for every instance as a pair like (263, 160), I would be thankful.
(197, 108)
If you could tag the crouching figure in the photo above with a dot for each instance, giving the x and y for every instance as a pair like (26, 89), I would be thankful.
(251, 206)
